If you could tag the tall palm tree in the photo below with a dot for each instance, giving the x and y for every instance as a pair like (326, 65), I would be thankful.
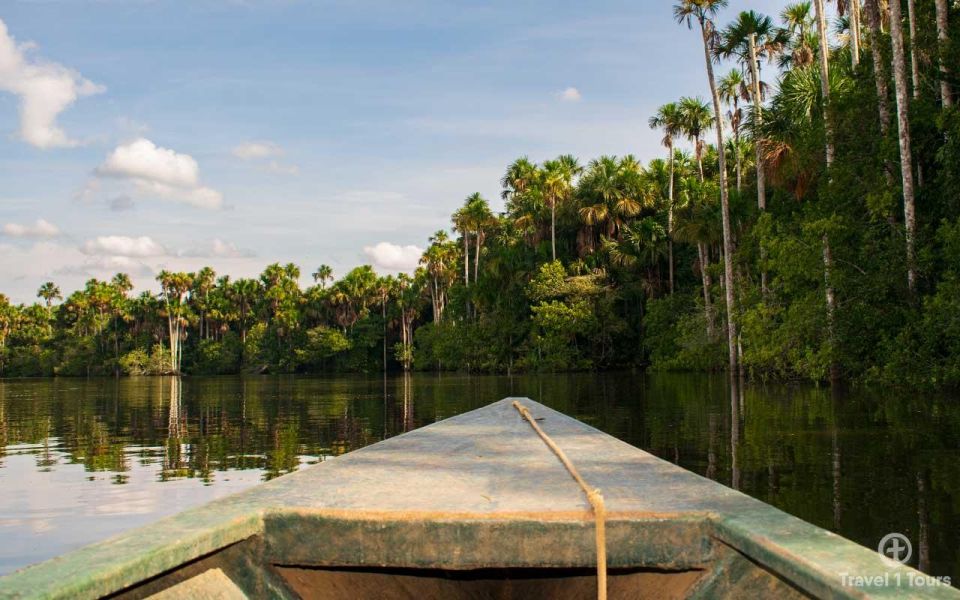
(797, 23)
(903, 126)
(703, 12)
(481, 219)
(322, 275)
(824, 57)
(49, 292)
(556, 180)
(461, 223)
(612, 191)
(695, 118)
(669, 118)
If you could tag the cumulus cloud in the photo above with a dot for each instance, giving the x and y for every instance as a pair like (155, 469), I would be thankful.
(123, 246)
(257, 150)
(158, 172)
(121, 203)
(39, 230)
(45, 90)
(571, 94)
(393, 257)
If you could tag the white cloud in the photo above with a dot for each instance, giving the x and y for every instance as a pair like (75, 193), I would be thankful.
(257, 150)
(158, 172)
(393, 257)
(40, 229)
(218, 248)
(282, 169)
(571, 94)
(45, 90)
(142, 159)
(123, 246)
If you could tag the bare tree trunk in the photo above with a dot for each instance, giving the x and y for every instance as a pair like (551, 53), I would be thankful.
(707, 284)
(707, 28)
(553, 228)
(943, 37)
(761, 175)
(855, 32)
(830, 296)
(914, 58)
(903, 123)
(670, 216)
(879, 65)
(825, 77)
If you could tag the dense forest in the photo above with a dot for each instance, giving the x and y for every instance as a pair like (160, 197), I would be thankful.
(801, 222)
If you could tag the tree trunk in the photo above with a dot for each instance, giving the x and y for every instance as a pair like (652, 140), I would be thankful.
(476, 258)
(670, 216)
(880, 75)
(914, 52)
(943, 37)
(854, 6)
(705, 279)
(706, 28)
(825, 77)
(830, 296)
(553, 228)
(903, 124)
(761, 175)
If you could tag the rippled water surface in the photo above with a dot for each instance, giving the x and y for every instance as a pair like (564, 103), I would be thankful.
(81, 460)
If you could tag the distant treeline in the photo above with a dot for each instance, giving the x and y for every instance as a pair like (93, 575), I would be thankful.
(822, 243)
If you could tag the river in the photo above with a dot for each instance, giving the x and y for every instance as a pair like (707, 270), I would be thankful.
(83, 459)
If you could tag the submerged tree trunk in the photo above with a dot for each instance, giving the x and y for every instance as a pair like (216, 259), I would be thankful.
(943, 37)
(903, 124)
(707, 30)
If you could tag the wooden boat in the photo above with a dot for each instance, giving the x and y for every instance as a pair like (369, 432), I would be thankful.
(477, 506)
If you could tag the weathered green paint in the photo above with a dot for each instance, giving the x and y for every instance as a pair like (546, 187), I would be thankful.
(475, 491)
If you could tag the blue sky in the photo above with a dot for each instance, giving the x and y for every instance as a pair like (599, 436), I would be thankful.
(140, 135)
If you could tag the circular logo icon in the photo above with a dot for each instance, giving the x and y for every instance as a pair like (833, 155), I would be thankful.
(896, 546)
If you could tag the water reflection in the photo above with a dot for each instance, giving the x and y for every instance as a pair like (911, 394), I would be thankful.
(83, 459)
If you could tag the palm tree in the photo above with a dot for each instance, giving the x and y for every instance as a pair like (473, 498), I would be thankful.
(903, 126)
(461, 223)
(519, 177)
(49, 292)
(703, 12)
(612, 191)
(669, 119)
(797, 22)
(481, 219)
(824, 55)
(695, 117)
(322, 275)
(556, 180)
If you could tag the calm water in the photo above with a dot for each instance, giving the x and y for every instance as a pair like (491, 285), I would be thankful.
(81, 460)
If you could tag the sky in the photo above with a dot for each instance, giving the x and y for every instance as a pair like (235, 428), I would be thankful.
(141, 135)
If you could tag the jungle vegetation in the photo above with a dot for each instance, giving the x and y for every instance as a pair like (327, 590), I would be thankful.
(802, 221)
